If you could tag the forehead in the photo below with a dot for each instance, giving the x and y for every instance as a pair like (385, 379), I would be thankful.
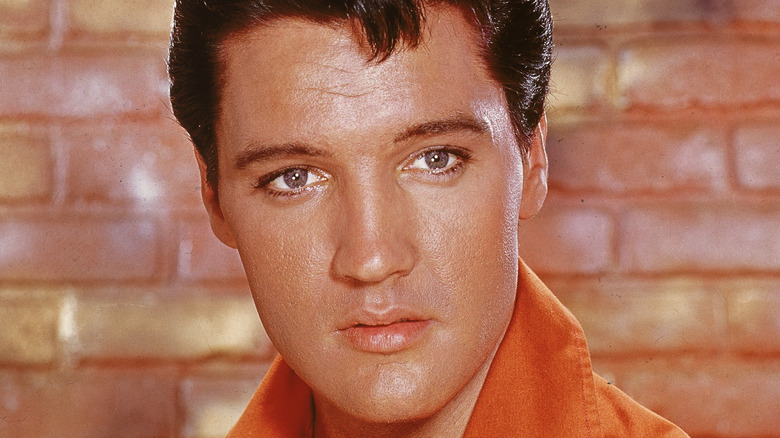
(296, 76)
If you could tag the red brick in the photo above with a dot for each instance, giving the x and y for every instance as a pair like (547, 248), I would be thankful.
(148, 165)
(697, 72)
(84, 86)
(184, 328)
(754, 317)
(576, 13)
(642, 317)
(213, 405)
(757, 151)
(88, 404)
(636, 158)
(26, 170)
(84, 248)
(23, 19)
(691, 237)
(561, 240)
(580, 77)
(712, 398)
(144, 17)
(758, 10)
(28, 331)
(203, 257)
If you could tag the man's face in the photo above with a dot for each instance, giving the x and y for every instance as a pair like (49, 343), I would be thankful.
(375, 209)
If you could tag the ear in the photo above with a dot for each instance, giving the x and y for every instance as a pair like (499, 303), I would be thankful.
(210, 199)
(535, 175)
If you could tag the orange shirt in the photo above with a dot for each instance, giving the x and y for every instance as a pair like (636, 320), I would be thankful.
(540, 384)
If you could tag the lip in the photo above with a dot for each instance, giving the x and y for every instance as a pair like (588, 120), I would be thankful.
(387, 338)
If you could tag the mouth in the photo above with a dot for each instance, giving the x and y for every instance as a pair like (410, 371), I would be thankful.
(399, 321)
(390, 337)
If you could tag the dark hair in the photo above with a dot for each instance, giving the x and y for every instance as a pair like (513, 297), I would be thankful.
(516, 38)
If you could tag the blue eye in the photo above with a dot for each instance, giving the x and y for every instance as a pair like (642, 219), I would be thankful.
(291, 181)
(295, 178)
(436, 161)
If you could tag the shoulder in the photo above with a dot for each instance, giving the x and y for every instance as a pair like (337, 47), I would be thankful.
(621, 416)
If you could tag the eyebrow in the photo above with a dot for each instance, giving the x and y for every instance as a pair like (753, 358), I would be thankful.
(262, 152)
(445, 126)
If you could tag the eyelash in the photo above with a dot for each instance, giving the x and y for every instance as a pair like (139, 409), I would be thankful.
(461, 155)
(265, 180)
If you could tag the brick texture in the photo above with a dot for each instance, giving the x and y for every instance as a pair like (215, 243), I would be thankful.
(580, 77)
(623, 13)
(89, 404)
(81, 86)
(709, 398)
(640, 317)
(692, 73)
(87, 249)
(28, 331)
(181, 329)
(757, 151)
(203, 257)
(573, 240)
(637, 158)
(23, 19)
(762, 11)
(754, 317)
(142, 164)
(704, 238)
(121, 17)
(27, 172)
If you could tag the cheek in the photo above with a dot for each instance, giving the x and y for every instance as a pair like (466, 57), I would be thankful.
(283, 259)
(471, 246)
(474, 227)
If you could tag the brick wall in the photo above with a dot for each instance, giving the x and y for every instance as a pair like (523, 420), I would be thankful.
(121, 316)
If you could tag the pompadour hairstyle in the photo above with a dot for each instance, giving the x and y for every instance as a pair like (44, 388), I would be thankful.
(516, 40)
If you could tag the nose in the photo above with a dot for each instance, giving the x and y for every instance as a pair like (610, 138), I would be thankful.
(375, 236)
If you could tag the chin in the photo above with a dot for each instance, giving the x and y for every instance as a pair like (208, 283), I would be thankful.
(394, 411)
(396, 395)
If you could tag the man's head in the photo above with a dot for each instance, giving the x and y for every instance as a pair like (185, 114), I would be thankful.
(373, 188)
(515, 38)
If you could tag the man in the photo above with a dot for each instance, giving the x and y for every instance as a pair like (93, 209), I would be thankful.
(370, 160)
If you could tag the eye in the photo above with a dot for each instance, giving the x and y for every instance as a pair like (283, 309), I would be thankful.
(436, 160)
(439, 161)
(290, 181)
